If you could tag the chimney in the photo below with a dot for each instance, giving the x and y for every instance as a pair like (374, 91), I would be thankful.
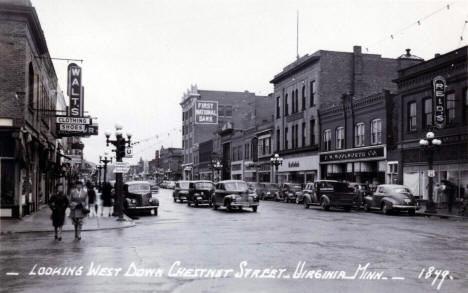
(408, 52)
(437, 55)
(357, 50)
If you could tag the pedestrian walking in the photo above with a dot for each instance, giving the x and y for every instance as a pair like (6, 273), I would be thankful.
(91, 199)
(58, 203)
(78, 208)
(106, 197)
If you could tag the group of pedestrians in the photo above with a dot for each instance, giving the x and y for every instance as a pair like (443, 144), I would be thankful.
(82, 203)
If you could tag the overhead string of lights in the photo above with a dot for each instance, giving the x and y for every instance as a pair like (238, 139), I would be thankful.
(416, 23)
(156, 136)
(465, 22)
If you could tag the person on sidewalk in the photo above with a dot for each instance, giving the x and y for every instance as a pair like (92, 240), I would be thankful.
(58, 203)
(91, 199)
(449, 194)
(106, 197)
(78, 208)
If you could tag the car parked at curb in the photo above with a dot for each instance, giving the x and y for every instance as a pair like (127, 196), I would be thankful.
(269, 191)
(330, 193)
(138, 198)
(200, 192)
(233, 194)
(391, 197)
(289, 192)
(181, 190)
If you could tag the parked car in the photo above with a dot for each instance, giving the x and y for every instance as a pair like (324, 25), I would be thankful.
(330, 193)
(269, 191)
(153, 187)
(308, 189)
(289, 191)
(361, 190)
(200, 192)
(391, 197)
(138, 198)
(181, 190)
(234, 194)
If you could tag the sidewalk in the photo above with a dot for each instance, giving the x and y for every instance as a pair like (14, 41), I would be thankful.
(442, 213)
(41, 222)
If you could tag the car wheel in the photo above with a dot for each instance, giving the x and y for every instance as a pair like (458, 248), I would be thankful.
(386, 209)
(254, 209)
(411, 212)
(228, 206)
(155, 212)
(347, 209)
(324, 205)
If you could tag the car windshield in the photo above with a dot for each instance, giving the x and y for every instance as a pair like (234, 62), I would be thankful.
(203, 185)
(184, 184)
(401, 190)
(271, 186)
(138, 188)
(336, 186)
(236, 186)
(295, 186)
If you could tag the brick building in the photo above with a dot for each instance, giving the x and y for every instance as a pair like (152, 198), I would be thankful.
(170, 163)
(416, 111)
(233, 107)
(28, 94)
(354, 138)
(315, 82)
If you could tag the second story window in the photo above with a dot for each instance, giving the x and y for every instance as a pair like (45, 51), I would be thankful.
(327, 139)
(303, 98)
(427, 118)
(286, 143)
(303, 136)
(451, 108)
(286, 105)
(376, 131)
(221, 110)
(228, 111)
(359, 132)
(412, 116)
(297, 102)
(311, 131)
(31, 86)
(293, 100)
(277, 107)
(339, 133)
(278, 140)
(312, 93)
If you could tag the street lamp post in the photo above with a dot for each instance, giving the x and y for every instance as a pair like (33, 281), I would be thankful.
(106, 160)
(119, 144)
(99, 167)
(429, 144)
(276, 161)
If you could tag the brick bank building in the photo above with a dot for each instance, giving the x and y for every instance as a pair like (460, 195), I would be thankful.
(415, 111)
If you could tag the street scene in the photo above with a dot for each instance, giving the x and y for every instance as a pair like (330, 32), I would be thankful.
(264, 146)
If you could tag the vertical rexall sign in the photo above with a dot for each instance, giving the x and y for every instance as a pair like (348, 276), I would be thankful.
(206, 112)
(439, 85)
(75, 90)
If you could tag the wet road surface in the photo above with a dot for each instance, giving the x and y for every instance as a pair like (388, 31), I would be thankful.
(280, 237)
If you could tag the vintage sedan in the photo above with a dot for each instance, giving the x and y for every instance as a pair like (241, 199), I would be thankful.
(200, 192)
(138, 198)
(330, 193)
(269, 191)
(234, 194)
(391, 197)
(289, 192)
(181, 190)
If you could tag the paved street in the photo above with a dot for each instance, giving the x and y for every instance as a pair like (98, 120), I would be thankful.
(278, 236)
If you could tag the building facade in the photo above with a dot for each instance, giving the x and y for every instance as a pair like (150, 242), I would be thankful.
(170, 163)
(28, 97)
(418, 114)
(318, 81)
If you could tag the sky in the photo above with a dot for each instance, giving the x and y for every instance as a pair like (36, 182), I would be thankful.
(141, 55)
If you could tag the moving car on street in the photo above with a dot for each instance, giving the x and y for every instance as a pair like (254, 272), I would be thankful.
(234, 194)
(391, 197)
(329, 193)
(200, 192)
(269, 191)
(181, 191)
(289, 192)
(138, 198)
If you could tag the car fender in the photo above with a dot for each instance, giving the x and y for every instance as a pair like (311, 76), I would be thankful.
(326, 198)
(368, 199)
(389, 201)
(307, 198)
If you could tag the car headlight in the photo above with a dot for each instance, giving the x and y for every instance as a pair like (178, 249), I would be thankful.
(132, 201)
(268, 192)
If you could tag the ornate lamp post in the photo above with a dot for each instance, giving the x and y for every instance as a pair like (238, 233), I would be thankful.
(99, 167)
(105, 160)
(119, 144)
(217, 166)
(429, 144)
(276, 160)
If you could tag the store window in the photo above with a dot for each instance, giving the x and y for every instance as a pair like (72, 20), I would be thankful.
(427, 118)
(359, 131)
(376, 131)
(7, 182)
(339, 135)
(327, 139)
(412, 116)
(451, 108)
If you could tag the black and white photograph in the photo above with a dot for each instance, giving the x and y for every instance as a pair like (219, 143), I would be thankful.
(238, 146)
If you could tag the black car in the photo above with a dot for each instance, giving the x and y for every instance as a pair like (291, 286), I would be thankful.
(330, 193)
(234, 194)
(181, 190)
(200, 192)
(138, 198)
(391, 197)
(289, 192)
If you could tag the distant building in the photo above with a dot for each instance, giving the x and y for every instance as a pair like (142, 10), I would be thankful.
(315, 82)
(170, 163)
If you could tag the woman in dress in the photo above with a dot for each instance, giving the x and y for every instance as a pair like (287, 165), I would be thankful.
(78, 208)
(58, 204)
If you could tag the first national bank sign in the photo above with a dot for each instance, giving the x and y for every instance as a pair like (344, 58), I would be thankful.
(206, 112)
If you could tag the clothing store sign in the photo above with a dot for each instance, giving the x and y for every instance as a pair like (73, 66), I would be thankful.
(439, 85)
(75, 90)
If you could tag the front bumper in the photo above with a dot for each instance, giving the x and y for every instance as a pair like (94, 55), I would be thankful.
(403, 207)
(142, 208)
(244, 204)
